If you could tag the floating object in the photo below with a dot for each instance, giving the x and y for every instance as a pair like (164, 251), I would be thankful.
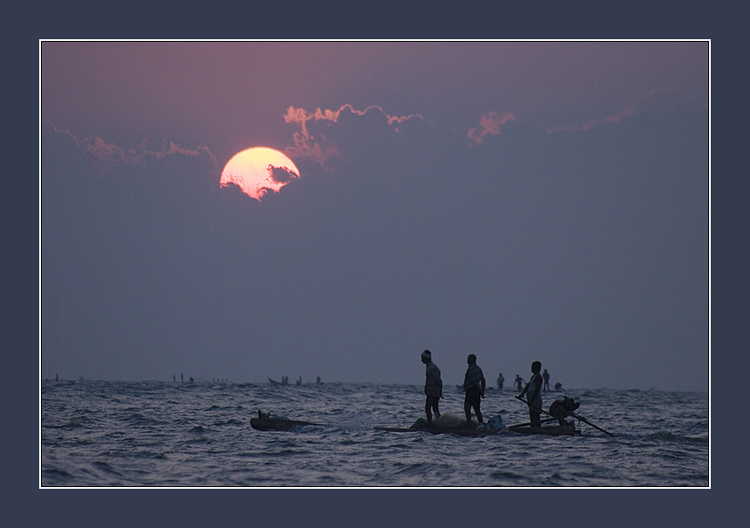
(563, 415)
(448, 425)
(264, 422)
(569, 428)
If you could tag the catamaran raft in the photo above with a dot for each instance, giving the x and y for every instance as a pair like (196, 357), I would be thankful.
(558, 423)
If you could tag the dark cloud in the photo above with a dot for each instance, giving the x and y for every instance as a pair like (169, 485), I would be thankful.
(282, 174)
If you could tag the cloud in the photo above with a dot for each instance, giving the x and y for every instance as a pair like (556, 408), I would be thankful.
(317, 145)
(103, 156)
(655, 102)
(490, 124)
(282, 174)
(314, 138)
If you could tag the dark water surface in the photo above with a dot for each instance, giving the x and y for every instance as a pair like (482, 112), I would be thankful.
(159, 434)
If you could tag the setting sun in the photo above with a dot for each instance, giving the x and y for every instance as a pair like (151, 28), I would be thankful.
(259, 170)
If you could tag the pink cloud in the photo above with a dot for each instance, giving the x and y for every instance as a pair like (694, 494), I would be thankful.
(490, 124)
(318, 148)
(301, 116)
(608, 120)
(105, 156)
(664, 100)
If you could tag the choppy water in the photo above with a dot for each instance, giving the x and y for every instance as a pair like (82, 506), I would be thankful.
(159, 434)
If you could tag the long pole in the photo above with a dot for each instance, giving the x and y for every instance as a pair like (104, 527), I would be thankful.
(574, 415)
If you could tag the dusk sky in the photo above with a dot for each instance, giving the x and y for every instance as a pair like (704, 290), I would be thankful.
(517, 200)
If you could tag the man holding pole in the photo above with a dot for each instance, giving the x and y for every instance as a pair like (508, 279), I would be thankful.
(534, 390)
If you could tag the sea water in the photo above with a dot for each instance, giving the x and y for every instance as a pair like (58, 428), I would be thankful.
(198, 434)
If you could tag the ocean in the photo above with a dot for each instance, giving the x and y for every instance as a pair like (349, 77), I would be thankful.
(110, 434)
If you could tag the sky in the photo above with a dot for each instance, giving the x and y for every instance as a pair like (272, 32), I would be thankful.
(518, 200)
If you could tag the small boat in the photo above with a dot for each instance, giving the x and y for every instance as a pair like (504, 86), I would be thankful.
(561, 408)
(443, 430)
(459, 428)
(555, 430)
(264, 422)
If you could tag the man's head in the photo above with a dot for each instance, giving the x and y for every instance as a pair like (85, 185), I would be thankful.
(426, 356)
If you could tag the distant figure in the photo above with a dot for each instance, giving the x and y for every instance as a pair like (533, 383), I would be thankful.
(474, 386)
(433, 387)
(518, 382)
(318, 382)
(545, 375)
(299, 380)
(174, 378)
(558, 386)
(285, 380)
(182, 378)
(191, 379)
(500, 381)
(57, 378)
(533, 390)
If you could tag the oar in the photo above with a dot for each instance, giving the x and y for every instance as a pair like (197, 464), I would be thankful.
(574, 415)
(592, 425)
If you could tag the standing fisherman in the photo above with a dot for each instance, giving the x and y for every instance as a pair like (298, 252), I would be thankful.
(534, 390)
(474, 385)
(433, 387)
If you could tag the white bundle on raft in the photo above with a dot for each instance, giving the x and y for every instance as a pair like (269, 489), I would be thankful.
(449, 420)
(496, 422)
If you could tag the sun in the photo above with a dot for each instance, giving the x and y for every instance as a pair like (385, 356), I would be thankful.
(258, 170)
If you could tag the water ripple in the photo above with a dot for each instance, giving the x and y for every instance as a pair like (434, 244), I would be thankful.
(165, 434)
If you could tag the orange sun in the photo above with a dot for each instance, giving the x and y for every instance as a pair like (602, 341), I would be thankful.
(259, 170)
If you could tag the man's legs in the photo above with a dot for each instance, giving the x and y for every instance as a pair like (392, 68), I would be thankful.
(432, 404)
(479, 413)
